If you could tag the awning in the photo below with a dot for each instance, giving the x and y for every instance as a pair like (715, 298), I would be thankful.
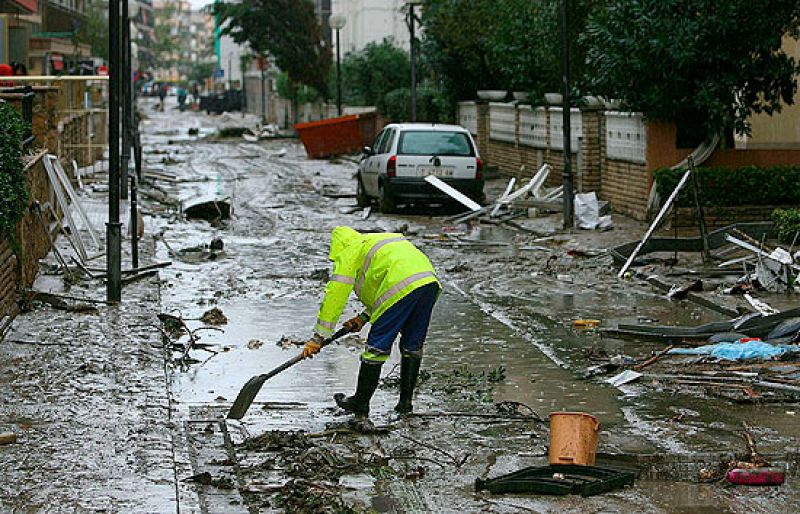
(30, 6)
(57, 61)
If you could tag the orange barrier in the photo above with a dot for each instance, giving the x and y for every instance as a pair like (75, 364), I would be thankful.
(573, 438)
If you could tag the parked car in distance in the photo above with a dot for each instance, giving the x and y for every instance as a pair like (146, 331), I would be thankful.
(393, 170)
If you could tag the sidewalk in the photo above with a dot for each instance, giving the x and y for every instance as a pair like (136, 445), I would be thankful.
(86, 394)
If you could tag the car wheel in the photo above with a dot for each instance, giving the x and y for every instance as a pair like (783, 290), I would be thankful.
(385, 201)
(361, 195)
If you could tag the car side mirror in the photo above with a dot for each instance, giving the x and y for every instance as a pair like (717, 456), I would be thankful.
(367, 151)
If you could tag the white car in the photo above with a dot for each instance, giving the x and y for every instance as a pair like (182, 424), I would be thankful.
(393, 170)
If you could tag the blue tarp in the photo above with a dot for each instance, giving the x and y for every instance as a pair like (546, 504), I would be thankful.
(750, 350)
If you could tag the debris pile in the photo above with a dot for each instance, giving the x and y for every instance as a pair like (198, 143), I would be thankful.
(259, 132)
(753, 358)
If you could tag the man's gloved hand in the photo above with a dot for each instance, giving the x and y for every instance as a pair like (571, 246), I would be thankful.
(357, 323)
(312, 346)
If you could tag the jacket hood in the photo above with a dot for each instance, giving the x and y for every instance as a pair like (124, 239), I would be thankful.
(341, 238)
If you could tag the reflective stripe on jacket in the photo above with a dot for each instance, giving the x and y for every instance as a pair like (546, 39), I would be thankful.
(382, 269)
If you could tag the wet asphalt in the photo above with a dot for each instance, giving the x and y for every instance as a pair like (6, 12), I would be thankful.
(127, 437)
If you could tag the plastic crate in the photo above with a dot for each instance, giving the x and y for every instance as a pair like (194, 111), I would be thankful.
(582, 480)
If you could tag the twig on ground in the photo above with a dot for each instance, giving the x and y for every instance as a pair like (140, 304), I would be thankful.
(417, 457)
(458, 462)
(654, 358)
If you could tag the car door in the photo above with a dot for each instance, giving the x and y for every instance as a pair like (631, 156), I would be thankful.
(369, 168)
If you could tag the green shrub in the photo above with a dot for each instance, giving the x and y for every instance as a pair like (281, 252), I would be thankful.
(432, 106)
(728, 187)
(13, 190)
(787, 224)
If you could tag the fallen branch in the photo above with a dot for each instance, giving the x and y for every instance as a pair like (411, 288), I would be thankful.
(654, 358)
(379, 430)
(36, 294)
(750, 441)
(34, 343)
(139, 276)
(457, 462)
(520, 417)
(417, 457)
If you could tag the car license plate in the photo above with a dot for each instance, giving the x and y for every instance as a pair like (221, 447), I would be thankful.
(436, 171)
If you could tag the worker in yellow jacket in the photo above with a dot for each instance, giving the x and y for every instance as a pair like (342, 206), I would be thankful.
(398, 285)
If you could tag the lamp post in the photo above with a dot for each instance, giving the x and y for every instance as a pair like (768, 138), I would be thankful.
(125, 89)
(113, 226)
(337, 22)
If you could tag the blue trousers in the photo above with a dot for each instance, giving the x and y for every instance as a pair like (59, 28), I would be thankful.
(409, 317)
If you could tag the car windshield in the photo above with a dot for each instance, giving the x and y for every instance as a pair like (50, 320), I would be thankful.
(434, 142)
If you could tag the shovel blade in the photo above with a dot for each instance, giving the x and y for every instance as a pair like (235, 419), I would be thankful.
(246, 397)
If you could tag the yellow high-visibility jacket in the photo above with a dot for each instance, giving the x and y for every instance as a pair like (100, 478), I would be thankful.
(382, 268)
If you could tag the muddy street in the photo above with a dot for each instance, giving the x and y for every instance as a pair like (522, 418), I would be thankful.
(501, 355)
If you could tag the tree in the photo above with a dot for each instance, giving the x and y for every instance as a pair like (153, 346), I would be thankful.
(701, 63)
(367, 75)
(288, 30)
(94, 30)
(200, 71)
(458, 45)
(527, 52)
(165, 43)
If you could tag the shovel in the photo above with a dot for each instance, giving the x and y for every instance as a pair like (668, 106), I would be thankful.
(253, 386)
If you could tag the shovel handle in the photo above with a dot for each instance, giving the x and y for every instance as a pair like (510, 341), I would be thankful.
(294, 360)
(253, 386)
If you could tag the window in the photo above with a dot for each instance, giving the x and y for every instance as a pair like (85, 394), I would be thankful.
(435, 142)
(386, 144)
(378, 141)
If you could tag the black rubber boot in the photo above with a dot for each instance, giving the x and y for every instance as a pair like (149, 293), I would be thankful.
(368, 377)
(409, 371)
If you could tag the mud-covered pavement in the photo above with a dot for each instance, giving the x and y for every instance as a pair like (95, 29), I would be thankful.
(502, 332)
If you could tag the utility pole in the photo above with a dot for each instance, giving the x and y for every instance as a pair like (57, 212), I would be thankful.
(569, 206)
(113, 226)
(126, 106)
(230, 71)
(412, 18)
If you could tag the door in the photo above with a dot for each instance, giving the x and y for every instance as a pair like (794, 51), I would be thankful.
(373, 166)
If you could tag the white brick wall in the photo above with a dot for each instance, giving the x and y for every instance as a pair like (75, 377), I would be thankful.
(626, 137)
(468, 116)
(533, 126)
(502, 122)
(557, 128)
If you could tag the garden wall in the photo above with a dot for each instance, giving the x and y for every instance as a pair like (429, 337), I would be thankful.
(608, 148)
(614, 153)
(18, 269)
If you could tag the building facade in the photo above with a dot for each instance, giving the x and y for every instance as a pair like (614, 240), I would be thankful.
(368, 21)
(41, 35)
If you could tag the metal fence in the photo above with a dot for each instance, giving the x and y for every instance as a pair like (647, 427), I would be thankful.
(69, 115)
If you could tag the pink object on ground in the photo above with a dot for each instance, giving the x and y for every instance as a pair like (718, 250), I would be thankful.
(757, 476)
